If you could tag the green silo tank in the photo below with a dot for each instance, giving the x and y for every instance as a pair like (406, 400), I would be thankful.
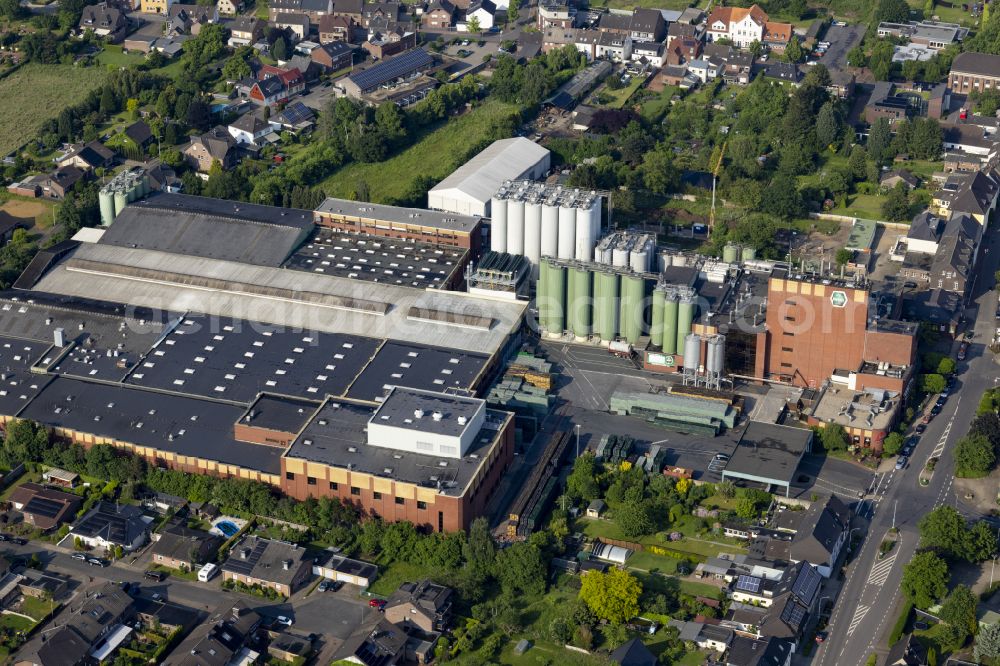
(541, 295)
(633, 291)
(579, 308)
(107, 205)
(730, 253)
(120, 202)
(656, 321)
(685, 316)
(749, 254)
(670, 323)
(606, 305)
(557, 294)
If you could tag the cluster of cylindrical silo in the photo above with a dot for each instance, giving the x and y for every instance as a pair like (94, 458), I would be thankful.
(120, 191)
(591, 300)
(733, 253)
(715, 354)
(626, 249)
(538, 220)
(671, 317)
(668, 258)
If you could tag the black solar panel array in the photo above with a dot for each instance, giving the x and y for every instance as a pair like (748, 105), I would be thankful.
(40, 506)
(391, 69)
(749, 584)
(793, 614)
(297, 112)
(237, 564)
(806, 583)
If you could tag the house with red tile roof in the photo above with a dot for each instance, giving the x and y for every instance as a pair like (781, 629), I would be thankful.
(745, 25)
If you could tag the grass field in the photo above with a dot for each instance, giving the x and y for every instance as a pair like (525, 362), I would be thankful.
(53, 87)
(390, 577)
(620, 97)
(15, 622)
(436, 155)
(29, 209)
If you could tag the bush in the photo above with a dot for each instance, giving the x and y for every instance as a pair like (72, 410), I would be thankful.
(901, 621)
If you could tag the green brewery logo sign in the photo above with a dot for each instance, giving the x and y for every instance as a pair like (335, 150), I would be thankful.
(839, 299)
(661, 359)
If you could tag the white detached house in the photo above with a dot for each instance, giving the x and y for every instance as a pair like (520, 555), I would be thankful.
(484, 12)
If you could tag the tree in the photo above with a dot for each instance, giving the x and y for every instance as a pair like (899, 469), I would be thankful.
(893, 11)
(892, 444)
(945, 530)
(925, 579)
(926, 142)
(959, 610)
(633, 520)
(756, 49)
(896, 207)
(833, 437)
(828, 124)
(988, 425)
(132, 107)
(726, 489)
(658, 171)
(988, 643)
(10, 9)
(473, 25)
(856, 57)
(793, 52)
(879, 139)
(613, 596)
(946, 365)
(582, 482)
(108, 102)
(280, 49)
(843, 256)
(512, 11)
(975, 456)
(932, 383)
(389, 119)
(479, 550)
(521, 570)
(880, 60)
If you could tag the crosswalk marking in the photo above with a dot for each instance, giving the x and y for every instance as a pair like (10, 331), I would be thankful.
(859, 615)
(880, 572)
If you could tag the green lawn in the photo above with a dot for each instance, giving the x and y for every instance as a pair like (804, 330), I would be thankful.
(619, 98)
(436, 154)
(699, 589)
(37, 608)
(52, 88)
(16, 622)
(867, 206)
(391, 576)
(655, 107)
(698, 548)
(545, 652)
(115, 56)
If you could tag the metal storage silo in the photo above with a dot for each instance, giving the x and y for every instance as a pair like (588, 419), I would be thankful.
(567, 233)
(685, 315)
(631, 307)
(692, 351)
(749, 254)
(680, 260)
(550, 231)
(670, 301)
(715, 354)
(533, 232)
(498, 226)
(515, 226)
(730, 253)
(585, 236)
(107, 205)
(664, 261)
(619, 255)
(656, 318)
(557, 297)
(638, 258)
(578, 311)
(542, 295)
(120, 202)
(606, 305)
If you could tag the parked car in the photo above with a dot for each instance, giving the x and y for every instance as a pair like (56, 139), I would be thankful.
(96, 562)
(377, 603)
(963, 349)
(79, 556)
(943, 398)
(921, 427)
(157, 597)
(19, 541)
(283, 620)
(935, 410)
(901, 462)
(330, 585)
(158, 576)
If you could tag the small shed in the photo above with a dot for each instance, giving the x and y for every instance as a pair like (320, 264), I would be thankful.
(60, 477)
(596, 508)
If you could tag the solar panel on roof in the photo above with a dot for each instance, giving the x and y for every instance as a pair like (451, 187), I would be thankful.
(806, 583)
(793, 614)
(391, 69)
(297, 112)
(749, 584)
(40, 506)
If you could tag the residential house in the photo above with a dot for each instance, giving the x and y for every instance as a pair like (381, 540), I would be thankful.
(139, 134)
(557, 14)
(375, 13)
(609, 46)
(295, 117)
(249, 129)
(972, 71)
(892, 178)
(111, 524)
(246, 30)
(483, 11)
(182, 548)
(291, 83)
(907, 651)
(350, 9)
(782, 72)
(214, 145)
(94, 628)
(229, 7)
(105, 21)
(885, 103)
(744, 26)
(633, 653)
(336, 28)
(705, 636)
(44, 508)
(190, 18)
(647, 25)
(439, 15)
(955, 259)
(652, 53)
(333, 56)
(225, 642)
(382, 44)
(314, 9)
(298, 24)
(821, 535)
(155, 6)
(974, 194)
(162, 178)
(288, 649)
(596, 508)
(759, 652)
(738, 69)
(968, 139)
(344, 569)
(924, 233)
(87, 156)
(381, 643)
(841, 84)
(683, 43)
(275, 565)
(425, 605)
(58, 184)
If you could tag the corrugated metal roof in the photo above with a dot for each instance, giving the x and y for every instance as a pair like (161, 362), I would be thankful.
(480, 178)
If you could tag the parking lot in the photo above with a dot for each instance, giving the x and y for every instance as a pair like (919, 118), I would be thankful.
(842, 39)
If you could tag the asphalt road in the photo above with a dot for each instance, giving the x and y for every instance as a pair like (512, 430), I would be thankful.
(865, 610)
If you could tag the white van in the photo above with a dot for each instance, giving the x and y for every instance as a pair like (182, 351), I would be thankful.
(206, 572)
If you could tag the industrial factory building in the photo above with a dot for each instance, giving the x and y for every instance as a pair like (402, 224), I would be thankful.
(246, 356)
(470, 188)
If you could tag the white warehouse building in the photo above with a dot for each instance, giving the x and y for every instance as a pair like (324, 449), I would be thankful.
(538, 220)
(469, 189)
(433, 424)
